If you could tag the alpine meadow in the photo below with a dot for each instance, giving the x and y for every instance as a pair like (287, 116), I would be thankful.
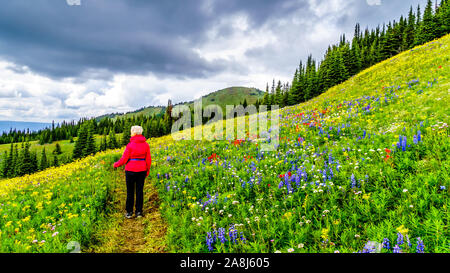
(361, 163)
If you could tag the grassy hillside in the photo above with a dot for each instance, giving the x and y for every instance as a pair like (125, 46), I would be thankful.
(227, 96)
(231, 96)
(364, 163)
(66, 147)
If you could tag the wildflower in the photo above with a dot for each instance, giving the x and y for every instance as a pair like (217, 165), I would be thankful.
(54, 234)
(386, 243)
(407, 240)
(399, 238)
(397, 249)
(420, 246)
(209, 241)
(290, 250)
(300, 245)
(352, 179)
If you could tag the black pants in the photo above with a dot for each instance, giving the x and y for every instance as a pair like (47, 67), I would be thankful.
(135, 180)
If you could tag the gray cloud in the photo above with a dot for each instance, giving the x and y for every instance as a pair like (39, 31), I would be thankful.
(94, 42)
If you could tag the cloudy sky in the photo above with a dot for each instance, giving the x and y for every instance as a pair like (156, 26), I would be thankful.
(66, 59)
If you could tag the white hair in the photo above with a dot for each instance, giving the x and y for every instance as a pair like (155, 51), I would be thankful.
(136, 130)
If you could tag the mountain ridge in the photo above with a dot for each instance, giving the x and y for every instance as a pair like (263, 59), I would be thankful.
(232, 95)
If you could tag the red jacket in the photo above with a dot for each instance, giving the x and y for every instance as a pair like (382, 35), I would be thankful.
(138, 148)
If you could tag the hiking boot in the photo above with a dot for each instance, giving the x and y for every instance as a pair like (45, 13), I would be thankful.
(139, 214)
(128, 215)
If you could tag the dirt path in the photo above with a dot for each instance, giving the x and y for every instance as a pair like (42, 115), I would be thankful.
(143, 235)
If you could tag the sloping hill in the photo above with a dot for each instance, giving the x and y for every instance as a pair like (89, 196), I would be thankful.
(227, 96)
(363, 167)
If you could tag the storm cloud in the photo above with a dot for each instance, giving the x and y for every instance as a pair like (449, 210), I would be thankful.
(89, 58)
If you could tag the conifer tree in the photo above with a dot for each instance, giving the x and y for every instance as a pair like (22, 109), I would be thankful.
(55, 160)
(5, 165)
(43, 164)
(90, 147)
(126, 135)
(80, 143)
(57, 149)
(112, 141)
(426, 30)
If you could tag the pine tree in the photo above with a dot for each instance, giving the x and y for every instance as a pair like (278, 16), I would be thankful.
(126, 134)
(112, 141)
(80, 143)
(11, 166)
(90, 147)
(43, 164)
(34, 162)
(426, 30)
(278, 94)
(55, 160)
(15, 157)
(5, 165)
(443, 17)
(25, 166)
(57, 149)
(409, 34)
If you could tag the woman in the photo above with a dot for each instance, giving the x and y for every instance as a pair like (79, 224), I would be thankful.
(138, 160)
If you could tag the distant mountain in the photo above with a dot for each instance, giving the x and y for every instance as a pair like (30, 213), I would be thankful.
(5, 126)
(227, 96)
(231, 96)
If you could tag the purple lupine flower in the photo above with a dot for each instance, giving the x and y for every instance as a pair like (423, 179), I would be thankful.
(209, 241)
(399, 238)
(386, 243)
(404, 144)
(243, 238)
(420, 246)
(353, 181)
(232, 233)
(397, 249)
(221, 235)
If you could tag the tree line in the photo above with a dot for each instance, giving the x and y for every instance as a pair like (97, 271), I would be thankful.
(346, 59)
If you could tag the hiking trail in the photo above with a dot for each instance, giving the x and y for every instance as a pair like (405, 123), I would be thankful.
(122, 235)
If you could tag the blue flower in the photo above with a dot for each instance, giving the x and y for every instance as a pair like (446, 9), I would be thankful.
(420, 246)
(209, 241)
(386, 243)
(399, 238)
(353, 180)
